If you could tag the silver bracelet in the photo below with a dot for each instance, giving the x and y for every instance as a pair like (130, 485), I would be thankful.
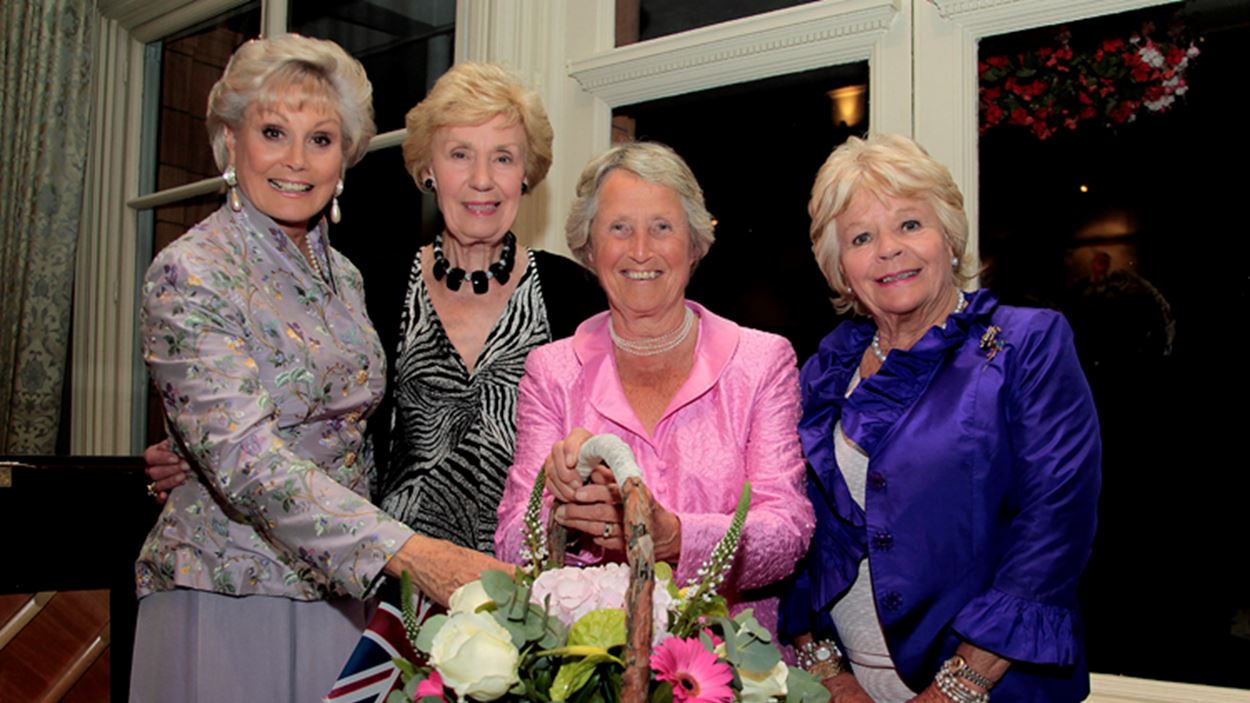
(962, 669)
(948, 682)
(821, 659)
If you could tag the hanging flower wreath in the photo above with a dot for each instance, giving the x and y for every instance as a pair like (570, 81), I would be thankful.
(1057, 87)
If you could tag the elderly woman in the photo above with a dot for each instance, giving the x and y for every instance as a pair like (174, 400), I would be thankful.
(255, 331)
(477, 303)
(954, 456)
(704, 404)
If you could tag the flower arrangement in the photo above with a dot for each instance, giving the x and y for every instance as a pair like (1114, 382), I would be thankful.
(1059, 87)
(560, 634)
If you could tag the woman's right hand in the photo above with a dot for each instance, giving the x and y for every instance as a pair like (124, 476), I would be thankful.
(166, 470)
(560, 468)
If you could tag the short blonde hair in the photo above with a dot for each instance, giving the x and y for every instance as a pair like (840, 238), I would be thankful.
(654, 163)
(471, 94)
(320, 73)
(884, 165)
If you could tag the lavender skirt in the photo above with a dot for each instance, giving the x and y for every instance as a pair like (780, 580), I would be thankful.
(199, 647)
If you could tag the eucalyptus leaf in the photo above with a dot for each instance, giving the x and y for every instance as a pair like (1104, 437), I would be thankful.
(802, 687)
(599, 628)
(425, 638)
(499, 586)
(516, 630)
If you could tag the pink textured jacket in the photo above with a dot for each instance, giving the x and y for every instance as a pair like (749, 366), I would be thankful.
(734, 419)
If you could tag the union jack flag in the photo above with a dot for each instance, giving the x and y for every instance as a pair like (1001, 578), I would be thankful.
(370, 674)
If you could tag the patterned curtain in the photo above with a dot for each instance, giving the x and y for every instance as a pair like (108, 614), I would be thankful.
(45, 99)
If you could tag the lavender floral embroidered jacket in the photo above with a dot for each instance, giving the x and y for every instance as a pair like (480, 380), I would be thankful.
(734, 419)
(267, 374)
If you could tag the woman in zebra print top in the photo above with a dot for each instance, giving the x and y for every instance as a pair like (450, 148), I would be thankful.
(479, 141)
(477, 303)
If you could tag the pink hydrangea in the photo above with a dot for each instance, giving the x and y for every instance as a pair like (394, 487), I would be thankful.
(577, 591)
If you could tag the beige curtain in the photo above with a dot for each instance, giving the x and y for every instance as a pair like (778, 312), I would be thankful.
(45, 94)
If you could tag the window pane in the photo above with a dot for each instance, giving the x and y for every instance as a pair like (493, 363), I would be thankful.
(640, 20)
(1104, 213)
(755, 148)
(404, 46)
(191, 63)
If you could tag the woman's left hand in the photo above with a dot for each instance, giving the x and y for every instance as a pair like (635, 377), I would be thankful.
(596, 509)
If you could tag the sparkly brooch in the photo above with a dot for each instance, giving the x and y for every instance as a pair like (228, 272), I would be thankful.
(991, 343)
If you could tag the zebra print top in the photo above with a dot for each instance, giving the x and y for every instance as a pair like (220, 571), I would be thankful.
(452, 432)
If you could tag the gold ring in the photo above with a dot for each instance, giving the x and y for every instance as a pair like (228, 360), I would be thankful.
(152, 489)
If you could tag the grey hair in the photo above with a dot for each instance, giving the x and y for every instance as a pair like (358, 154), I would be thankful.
(654, 163)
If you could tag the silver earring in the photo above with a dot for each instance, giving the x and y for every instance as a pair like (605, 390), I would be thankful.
(336, 215)
(954, 262)
(232, 182)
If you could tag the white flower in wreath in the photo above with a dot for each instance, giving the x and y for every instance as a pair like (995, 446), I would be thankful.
(468, 598)
(475, 656)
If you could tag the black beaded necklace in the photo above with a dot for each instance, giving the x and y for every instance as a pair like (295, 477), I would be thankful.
(500, 270)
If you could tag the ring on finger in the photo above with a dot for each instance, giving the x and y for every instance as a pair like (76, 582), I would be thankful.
(607, 530)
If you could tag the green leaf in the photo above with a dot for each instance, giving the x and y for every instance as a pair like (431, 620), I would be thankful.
(499, 586)
(663, 693)
(425, 638)
(406, 668)
(573, 675)
(802, 687)
(599, 628)
(663, 572)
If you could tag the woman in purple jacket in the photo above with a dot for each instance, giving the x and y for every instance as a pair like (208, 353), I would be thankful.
(954, 457)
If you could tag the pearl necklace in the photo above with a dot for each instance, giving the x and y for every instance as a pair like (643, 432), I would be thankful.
(960, 306)
(312, 259)
(652, 346)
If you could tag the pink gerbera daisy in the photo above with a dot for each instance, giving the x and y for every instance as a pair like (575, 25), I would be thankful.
(695, 673)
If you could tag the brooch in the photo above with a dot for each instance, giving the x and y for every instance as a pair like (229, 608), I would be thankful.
(991, 343)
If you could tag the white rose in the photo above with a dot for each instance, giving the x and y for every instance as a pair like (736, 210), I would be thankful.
(475, 656)
(761, 688)
(468, 598)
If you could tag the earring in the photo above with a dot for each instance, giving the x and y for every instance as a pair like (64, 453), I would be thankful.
(429, 184)
(954, 262)
(525, 187)
(232, 182)
(336, 215)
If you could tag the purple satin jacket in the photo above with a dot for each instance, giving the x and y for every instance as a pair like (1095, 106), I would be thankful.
(981, 495)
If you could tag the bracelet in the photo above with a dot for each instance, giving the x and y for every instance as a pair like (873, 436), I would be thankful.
(821, 659)
(963, 670)
(948, 682)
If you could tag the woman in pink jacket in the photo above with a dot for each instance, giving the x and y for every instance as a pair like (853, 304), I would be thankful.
(704, 404)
